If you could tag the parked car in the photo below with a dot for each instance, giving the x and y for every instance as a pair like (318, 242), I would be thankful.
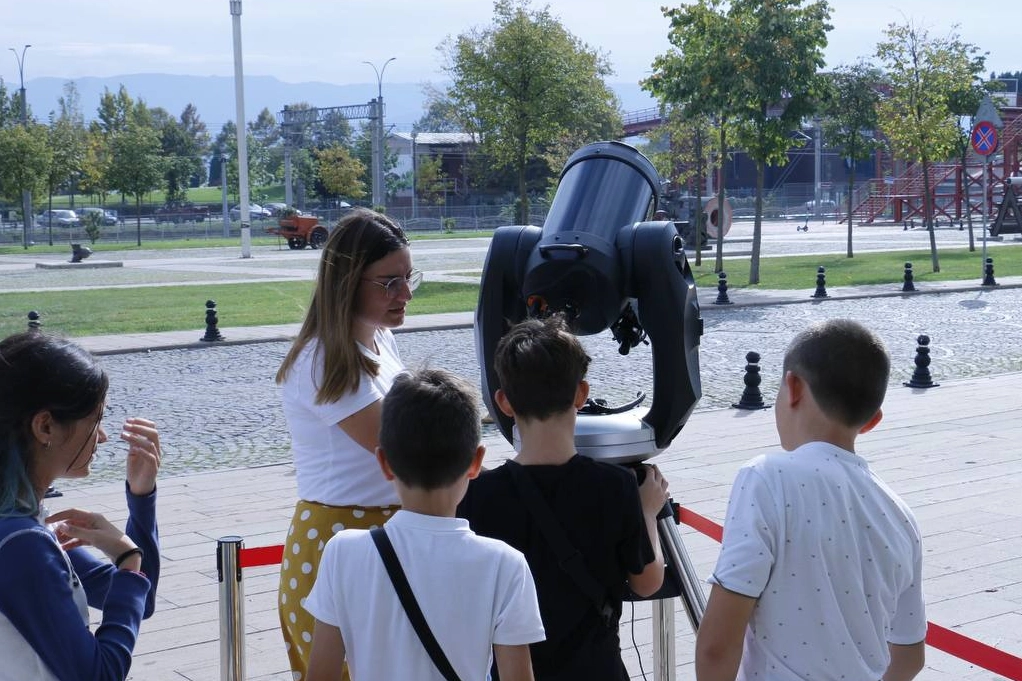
(106, 217)
(58, 218)
(275, 208)
(255, 211)
(181, 212)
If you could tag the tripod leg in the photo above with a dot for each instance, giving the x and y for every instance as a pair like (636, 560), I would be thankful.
(692, 595)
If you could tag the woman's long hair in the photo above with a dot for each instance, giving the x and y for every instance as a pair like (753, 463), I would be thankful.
(361, 238)
(39, 372)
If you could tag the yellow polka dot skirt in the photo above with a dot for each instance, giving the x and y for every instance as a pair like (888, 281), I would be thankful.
(311, 526)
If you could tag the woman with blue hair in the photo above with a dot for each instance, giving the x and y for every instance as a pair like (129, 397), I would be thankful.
(52, 399)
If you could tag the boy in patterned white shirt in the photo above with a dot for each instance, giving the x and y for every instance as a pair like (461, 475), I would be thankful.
(819, 575)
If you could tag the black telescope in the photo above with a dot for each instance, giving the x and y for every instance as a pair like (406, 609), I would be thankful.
(600, 262)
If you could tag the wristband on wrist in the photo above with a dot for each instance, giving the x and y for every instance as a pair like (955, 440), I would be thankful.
(126, 555)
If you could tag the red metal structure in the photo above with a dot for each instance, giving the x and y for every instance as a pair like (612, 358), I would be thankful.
(898, 195)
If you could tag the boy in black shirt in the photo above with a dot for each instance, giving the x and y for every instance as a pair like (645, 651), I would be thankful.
(604, 514)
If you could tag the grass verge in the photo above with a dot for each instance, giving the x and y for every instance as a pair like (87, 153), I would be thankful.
(92, 312)
(799, 272)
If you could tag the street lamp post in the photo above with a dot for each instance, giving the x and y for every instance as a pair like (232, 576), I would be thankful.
(26, 194)
(239, 104)
(379, 195)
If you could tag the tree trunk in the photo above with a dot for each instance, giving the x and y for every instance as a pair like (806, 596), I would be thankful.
(851, 191)
(719, 263)
(138, 218)
(928, 215)
(49, 227)
(757, 225)
(965, 191)
(697, 216)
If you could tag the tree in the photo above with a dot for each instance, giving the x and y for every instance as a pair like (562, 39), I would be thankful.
(70, 112)
(440, 116)
(431, 181)
(114, 110)
(198, 142)
(135, 165)
(923, 73)
(525, 83)
(67, 149)
(701, 75)
(340, 173)
(95, 177)
(850, 120)
(683, 160)
(780, 51)
(25, 160)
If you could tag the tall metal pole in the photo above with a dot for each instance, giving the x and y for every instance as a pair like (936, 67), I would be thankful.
(379, 195)
(239, 100)
(26, 194)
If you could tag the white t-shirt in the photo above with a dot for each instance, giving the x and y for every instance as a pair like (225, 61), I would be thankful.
(330, 467)
(473, 591)
(834, 558)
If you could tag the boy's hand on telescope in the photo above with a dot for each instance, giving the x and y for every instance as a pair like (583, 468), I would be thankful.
(653, 491)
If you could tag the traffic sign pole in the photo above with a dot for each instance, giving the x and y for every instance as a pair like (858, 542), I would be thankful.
(984, 140)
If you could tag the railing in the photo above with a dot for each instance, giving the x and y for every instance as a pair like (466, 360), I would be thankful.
(232, 557)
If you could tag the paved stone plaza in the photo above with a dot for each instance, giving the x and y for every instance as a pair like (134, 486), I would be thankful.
(219, 407)
(951, 451)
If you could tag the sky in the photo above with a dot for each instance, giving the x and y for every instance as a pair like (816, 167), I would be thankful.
(328, 40)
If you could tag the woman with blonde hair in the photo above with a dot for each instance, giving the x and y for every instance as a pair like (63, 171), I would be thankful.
(333, 381)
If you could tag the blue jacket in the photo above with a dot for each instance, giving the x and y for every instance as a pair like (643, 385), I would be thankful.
(44, 623)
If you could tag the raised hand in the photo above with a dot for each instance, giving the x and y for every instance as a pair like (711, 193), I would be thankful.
(144, 454)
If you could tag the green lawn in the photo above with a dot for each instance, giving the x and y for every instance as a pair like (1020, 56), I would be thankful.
(138, 310)
(89, 312)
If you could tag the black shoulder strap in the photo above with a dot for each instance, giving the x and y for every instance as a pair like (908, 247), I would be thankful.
(568, 557)
(411, 606)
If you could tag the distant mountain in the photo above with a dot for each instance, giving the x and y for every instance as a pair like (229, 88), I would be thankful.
(213, 96)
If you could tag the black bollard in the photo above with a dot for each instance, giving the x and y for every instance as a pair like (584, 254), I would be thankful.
(752, 398)
(909, 277)
(722, 298)
(921, 376)
(988, 273)
(34, 324)
(821, 283)
(212, 333)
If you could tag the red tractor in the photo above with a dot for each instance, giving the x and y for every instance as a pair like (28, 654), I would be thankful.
(301, 231)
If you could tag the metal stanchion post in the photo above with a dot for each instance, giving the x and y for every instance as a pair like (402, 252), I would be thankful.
(232, 609)
(663, 639)
(691, 594)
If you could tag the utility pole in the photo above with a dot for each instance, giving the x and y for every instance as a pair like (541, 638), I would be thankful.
(379, 193)
(26, 194)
